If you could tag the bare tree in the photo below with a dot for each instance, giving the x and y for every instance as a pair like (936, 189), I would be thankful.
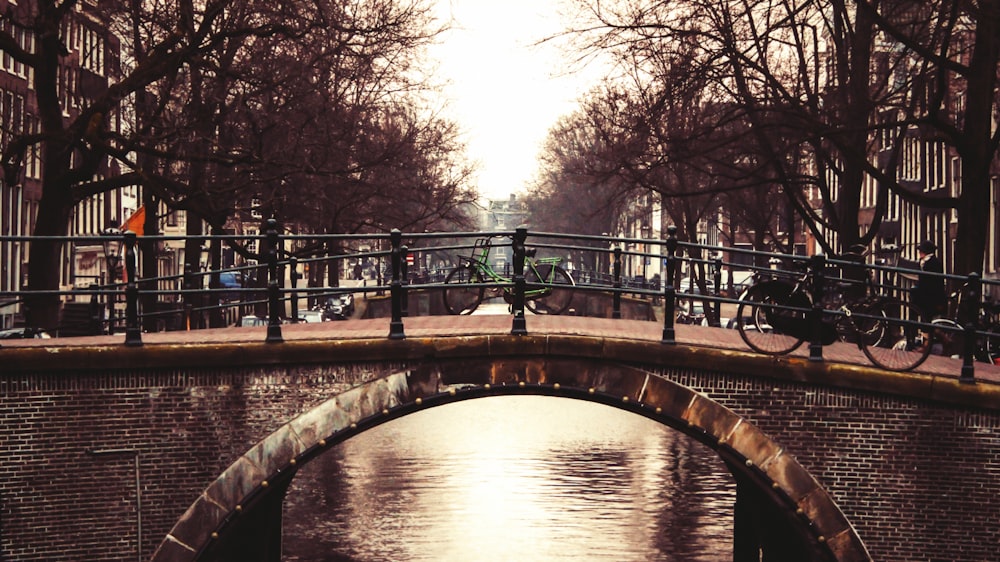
(807, 78)
(950, 57)
(578, 188)
(227, 101)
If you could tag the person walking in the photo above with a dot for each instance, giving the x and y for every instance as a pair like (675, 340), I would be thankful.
(928, 296)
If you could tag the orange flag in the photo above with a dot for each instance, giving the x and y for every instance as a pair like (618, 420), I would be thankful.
(136, 222)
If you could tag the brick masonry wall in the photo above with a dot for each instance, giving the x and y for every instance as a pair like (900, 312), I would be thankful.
(918, 480)
(57, 502)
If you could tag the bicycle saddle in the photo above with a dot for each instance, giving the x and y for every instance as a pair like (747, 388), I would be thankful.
(530, 252)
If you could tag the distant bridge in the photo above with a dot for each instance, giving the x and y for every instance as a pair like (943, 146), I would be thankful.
(182, 448)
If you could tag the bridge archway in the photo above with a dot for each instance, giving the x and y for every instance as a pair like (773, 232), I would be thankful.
(781, 510)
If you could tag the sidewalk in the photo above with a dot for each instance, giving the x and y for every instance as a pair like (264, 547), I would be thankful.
(495, 322)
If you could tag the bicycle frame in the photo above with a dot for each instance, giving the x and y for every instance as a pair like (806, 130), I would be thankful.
(480, 262)
(796, 293)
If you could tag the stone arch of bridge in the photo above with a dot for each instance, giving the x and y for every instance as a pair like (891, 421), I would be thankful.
(780, 508)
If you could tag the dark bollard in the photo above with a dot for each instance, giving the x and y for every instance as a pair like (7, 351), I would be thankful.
(133, 333)
(669, 293)
(616, 298)
(817, 267)
(968, 373)
(396, 287)
(273, 288)
(972, 296)
(518, 324)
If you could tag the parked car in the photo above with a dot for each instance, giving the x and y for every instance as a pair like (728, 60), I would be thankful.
(23, 334)
(231, 280)
(690, 312)
(741, 280)
(339, 307)
(690, 286)
(311, 316)
(250, 320)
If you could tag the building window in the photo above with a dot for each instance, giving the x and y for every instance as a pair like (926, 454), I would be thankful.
(91, 51)
(33, 161)
(252, 242)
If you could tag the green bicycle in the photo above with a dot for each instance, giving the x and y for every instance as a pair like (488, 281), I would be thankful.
(548, 289)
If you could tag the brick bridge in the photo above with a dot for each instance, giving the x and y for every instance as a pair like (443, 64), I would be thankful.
(182, 449)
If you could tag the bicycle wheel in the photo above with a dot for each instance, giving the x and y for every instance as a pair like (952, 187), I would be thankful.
(949, 340)
(461, 297)
(990, 346)
(558, 293)
(762, 325)
(899, 351)
(867, 325)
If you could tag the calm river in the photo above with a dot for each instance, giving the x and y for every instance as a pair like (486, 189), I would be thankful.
(525, 479)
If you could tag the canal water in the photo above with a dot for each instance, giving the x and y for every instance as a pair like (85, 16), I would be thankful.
(519, 479)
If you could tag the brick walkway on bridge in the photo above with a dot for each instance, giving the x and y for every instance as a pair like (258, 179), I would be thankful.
(498, 324)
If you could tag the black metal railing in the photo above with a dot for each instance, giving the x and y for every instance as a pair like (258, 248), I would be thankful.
(399, 263)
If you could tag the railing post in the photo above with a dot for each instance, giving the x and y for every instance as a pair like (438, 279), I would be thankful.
(111, 289)
(273, 288)
(188, 291)
(396, 287)
(404, 280)
(379, 273)
(96, 309)
(293, 277)
(133, 333)
(518, 324)
(669, 293)
(817, 267)
(616, 297)
(973, 300)
(716, 319)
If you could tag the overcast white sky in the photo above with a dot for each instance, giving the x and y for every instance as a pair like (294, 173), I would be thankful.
(503, 92)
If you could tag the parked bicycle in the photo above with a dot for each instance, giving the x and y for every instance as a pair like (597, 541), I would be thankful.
(910, 344)
(548, 286)
(773, 316)
(952, 336)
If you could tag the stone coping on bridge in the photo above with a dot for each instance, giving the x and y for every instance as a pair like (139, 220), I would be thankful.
(466, 336)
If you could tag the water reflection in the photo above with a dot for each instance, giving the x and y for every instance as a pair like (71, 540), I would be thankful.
(513, 478)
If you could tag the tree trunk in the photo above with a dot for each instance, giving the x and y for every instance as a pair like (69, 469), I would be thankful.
(56, 204)
(978, 151)
(192, 265)
(42, 311)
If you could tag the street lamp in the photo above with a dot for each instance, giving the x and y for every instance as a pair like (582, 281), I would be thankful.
(112, 251)
(112, 257)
